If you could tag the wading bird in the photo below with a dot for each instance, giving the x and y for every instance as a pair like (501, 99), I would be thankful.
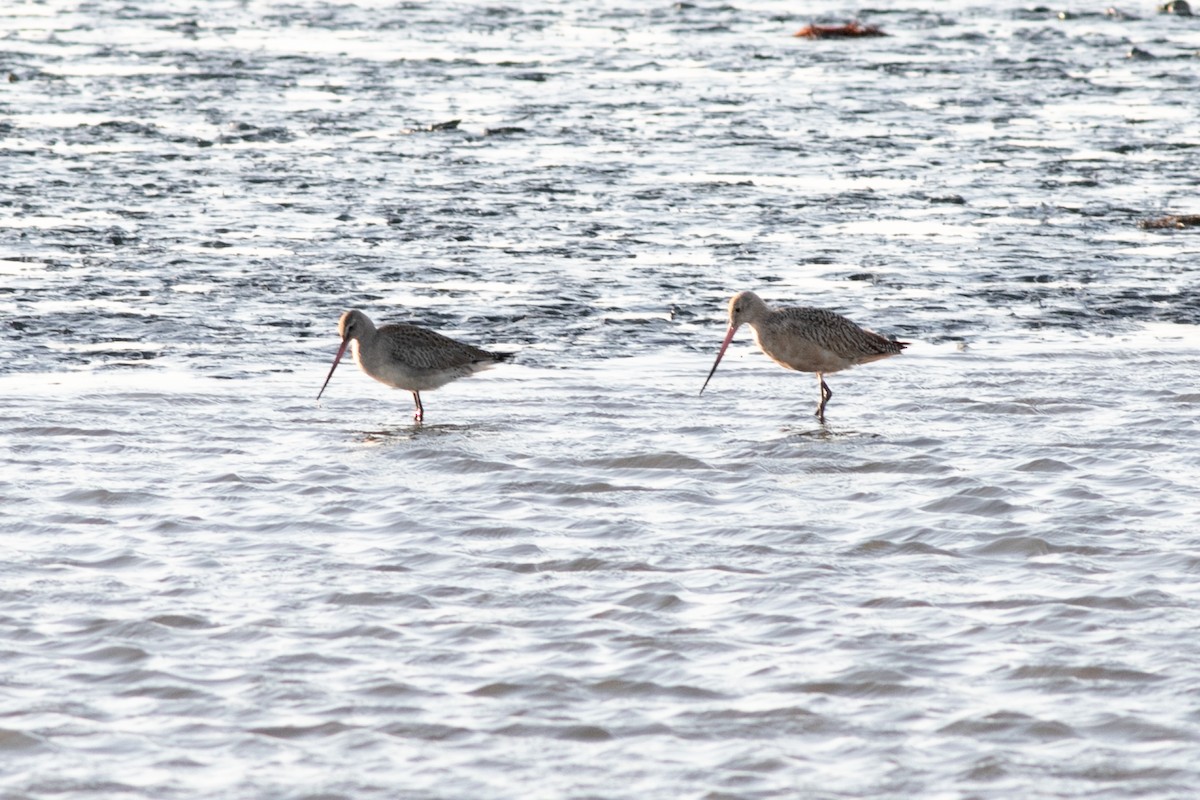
(407, 357)
(805, 339)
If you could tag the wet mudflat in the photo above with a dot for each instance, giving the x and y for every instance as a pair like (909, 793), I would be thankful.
(578, 578)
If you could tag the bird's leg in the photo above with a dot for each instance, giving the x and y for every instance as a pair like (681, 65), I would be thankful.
(420, 415)
(826, 393)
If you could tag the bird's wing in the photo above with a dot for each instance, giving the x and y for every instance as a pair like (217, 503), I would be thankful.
(833, 332)
(420, 348)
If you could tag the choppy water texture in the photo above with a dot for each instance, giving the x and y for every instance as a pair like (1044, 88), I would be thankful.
(579, 578)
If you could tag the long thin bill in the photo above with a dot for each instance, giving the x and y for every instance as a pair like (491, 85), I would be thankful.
(721, 352)
(336, 359)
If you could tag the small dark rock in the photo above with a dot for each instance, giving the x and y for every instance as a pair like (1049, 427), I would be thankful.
(1171, 221)
(851, 30)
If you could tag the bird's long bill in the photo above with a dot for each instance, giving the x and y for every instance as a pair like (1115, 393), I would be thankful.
(336, 359)
(721, 352)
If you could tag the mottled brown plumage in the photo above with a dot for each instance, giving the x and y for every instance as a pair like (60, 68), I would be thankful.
(408, 357)
(805, 339)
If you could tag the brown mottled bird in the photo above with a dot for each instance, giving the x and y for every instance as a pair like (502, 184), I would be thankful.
(408, 357)
(805, 339)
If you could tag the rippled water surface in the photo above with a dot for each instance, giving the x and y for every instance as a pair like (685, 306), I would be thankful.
(579, 578)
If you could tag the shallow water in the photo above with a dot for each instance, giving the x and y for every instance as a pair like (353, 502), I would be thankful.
(580, 578)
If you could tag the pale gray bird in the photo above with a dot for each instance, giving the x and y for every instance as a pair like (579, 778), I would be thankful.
(407, 357)
(805, 339)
